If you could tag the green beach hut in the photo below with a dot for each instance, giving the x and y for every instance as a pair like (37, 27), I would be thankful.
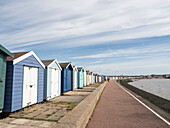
(3, 56)
(80, 77)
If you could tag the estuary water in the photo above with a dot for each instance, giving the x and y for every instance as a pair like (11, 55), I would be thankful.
(159, 87)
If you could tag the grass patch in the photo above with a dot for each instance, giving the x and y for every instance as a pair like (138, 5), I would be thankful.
(46, 110)
(21, 112)
(34, 119)
(72, 105)
(96, 84)
(37, 115)
(47, 115)
(68, 105)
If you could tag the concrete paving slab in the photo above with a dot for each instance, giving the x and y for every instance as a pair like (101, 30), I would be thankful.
(58, 115)
(7, 120)
(19, 121)
(34, 123)
(46, 114)
(46, 124)
(79, 116)
(76, 93)
(33, 114)
(3, 125)
(56, 108)
(69, 98)
(85, 89)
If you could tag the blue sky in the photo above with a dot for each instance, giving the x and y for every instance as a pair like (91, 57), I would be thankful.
(127, 37)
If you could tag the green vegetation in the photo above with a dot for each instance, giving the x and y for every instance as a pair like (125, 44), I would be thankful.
(72, 105)
(33, 119)
(96, 84)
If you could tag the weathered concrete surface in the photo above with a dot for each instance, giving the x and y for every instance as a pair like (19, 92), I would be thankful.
(76, 93)
(47, 114)
(79, 116)
(69, 98)
(25, 123)
(117, 109)
(86, 89)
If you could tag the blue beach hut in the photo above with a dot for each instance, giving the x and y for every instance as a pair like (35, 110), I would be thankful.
(66, 77)
(96, 78)
(102, 78)
(3, 55)
(80, 77)
(24, 81)
(52, 79)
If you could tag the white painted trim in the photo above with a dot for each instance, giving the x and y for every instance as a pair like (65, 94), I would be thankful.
(145, 105)
(75, 68)
(69, 65)
(55, 61)
(15, 61)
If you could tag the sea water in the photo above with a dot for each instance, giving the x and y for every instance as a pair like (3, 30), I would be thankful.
(159, 87)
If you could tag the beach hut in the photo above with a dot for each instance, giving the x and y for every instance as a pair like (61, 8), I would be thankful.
(84, 78)
(105, 78)
(52, 79)
(102, 78)
(99, 78)
(91, 77)
(75, 78)
(24, 81)
(3, 62)
(94, 78)
(80, 77)
(66, 77)
(87, 77)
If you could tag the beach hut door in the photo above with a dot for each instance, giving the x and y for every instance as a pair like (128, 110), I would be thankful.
(30, 85)
(75, 79)
(54, 83)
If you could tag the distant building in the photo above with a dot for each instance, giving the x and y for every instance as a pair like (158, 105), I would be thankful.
(157, 76)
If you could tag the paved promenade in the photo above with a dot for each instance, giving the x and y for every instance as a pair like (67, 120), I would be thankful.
(117, 109)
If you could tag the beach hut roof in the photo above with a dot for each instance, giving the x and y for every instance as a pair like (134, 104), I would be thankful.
(74, 67)
(48, 63)
(80, 68)
(3, 49)
(19, 56)
(65, 65)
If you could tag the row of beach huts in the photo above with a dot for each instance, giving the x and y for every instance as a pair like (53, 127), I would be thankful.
(26, 80)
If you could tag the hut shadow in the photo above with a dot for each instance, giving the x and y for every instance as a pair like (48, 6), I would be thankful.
(4, 115)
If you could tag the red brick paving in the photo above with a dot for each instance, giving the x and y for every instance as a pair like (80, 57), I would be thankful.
(117, 109)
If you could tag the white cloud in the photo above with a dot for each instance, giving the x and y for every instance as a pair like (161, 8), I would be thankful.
(44, 21)
(63, 24)
(133, 52)
(144, 66)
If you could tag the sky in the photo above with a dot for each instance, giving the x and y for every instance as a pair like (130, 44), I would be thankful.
(109, 37)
